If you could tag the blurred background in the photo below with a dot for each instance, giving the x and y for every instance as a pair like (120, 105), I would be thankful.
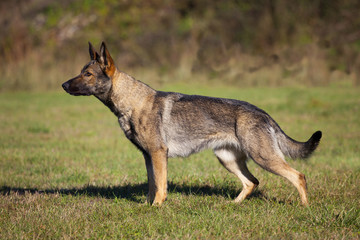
(234, 42)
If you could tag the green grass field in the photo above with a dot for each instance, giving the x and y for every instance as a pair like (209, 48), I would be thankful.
(67, 171)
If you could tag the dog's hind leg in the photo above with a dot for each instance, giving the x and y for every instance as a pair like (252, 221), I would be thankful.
(267, 154)
(235, 162)
(279, 166)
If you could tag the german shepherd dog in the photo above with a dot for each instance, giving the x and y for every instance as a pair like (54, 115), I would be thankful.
(168, 124)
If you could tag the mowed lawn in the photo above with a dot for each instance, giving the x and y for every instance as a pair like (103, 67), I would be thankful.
(67, 171)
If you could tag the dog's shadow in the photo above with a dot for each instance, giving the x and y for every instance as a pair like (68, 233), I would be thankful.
(135, 192)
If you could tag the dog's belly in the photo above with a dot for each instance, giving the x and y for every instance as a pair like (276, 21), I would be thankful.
(184, 147)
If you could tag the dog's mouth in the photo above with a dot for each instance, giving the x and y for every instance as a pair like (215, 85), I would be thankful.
(78, 93)
(75, 91)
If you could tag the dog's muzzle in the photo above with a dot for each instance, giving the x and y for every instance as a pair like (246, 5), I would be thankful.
(65, 86)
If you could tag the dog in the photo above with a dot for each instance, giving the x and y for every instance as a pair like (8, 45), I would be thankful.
(168, 124)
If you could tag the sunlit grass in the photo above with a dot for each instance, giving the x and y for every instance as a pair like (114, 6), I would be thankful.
(67, 171)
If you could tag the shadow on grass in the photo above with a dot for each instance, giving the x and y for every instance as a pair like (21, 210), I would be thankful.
(132, 192)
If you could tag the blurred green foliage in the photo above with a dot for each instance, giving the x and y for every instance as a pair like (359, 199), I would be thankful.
(203, 35)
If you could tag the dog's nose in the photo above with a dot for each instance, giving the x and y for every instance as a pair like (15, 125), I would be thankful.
(65, 86)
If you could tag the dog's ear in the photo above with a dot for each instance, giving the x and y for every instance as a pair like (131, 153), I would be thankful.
(106, 60)
(93, 54)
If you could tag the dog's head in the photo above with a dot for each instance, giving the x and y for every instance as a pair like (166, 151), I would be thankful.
(95, 77)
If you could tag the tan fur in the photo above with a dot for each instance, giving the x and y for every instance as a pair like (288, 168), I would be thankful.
(164, 124)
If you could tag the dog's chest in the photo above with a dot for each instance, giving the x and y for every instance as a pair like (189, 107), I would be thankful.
(124, 122)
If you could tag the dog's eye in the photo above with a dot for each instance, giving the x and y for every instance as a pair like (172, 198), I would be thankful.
(87, 74)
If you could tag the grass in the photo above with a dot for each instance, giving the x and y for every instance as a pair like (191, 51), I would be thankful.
(67, 171)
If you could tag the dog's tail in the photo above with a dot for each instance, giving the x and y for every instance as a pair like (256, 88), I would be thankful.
(295, 149)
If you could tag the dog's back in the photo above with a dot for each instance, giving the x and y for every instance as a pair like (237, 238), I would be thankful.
(191, 123)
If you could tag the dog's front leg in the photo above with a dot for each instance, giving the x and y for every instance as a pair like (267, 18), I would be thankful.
(156, 166)
(150, 174)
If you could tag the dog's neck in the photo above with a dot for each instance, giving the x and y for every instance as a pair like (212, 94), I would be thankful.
(126, 94)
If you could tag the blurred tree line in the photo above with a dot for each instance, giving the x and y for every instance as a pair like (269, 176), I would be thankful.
(240, 41)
